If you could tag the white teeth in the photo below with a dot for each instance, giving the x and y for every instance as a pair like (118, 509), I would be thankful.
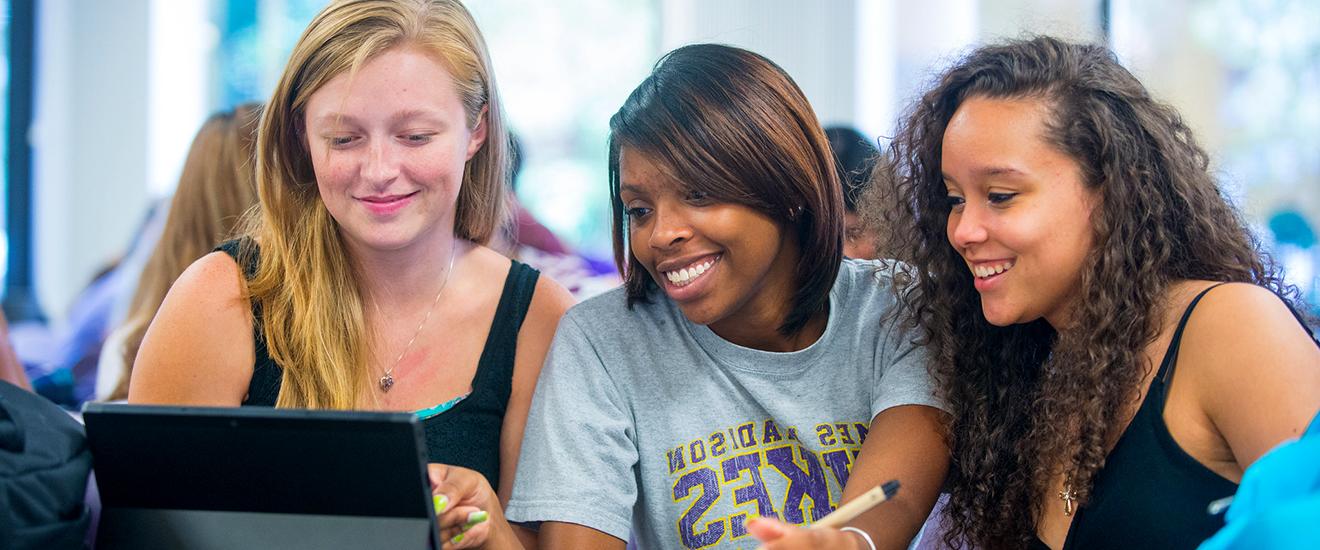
(987, 271)
(683, 276)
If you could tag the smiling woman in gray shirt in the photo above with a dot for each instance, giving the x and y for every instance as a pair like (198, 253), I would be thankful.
(744, 370)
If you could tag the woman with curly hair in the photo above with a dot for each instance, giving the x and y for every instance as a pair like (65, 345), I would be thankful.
(1114, 346)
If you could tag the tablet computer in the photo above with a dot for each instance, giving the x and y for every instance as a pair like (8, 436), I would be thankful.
(250, 477)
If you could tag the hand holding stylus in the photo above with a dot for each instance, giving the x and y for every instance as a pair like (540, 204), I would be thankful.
(776, 535)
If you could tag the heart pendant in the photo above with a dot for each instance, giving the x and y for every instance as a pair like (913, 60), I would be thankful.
(387, 382)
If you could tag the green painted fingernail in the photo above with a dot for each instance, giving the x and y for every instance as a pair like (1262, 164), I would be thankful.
(477, 517)
(457, 539)
(441, 502)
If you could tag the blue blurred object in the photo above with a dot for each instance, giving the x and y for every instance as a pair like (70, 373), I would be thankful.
(1289, 226)
(1278, 503)
(57, 386)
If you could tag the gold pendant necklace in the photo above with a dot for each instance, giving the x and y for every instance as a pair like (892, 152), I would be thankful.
(1068, 496)
(387, 381)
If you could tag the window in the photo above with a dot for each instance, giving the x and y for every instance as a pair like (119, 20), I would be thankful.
(1246, 76)
(563, 69)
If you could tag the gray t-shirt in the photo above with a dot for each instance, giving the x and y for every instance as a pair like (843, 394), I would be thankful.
(651, 428)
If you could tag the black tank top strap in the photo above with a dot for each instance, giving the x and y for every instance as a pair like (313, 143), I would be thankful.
(244, 251)
(494, 379)
(264, 388)
(1171, 356)
(1301, 321)
(468, 435)
(1151, 493)
(229, 247)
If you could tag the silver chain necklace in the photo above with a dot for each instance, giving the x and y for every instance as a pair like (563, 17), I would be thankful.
(387, 381)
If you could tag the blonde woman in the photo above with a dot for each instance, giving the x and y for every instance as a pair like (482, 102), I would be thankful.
(215, 188)
(381, 162)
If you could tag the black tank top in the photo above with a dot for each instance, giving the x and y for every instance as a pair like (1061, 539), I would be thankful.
(466, 435)
(1150, 492)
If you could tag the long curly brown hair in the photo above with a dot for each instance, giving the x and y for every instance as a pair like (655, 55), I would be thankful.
(1026, 399)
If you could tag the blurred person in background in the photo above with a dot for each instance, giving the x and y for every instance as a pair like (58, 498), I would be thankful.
(216, 187)
(854, 159)
(526, 239)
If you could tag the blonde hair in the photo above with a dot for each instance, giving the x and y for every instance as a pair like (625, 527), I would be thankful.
(216, 187)
(305, 286)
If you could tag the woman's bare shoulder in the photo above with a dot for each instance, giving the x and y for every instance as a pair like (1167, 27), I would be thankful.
(1254, 367)
(199, 349)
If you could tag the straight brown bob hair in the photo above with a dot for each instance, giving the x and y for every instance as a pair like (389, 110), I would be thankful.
(731, 124)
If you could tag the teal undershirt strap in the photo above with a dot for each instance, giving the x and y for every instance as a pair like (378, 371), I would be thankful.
(428, 413)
